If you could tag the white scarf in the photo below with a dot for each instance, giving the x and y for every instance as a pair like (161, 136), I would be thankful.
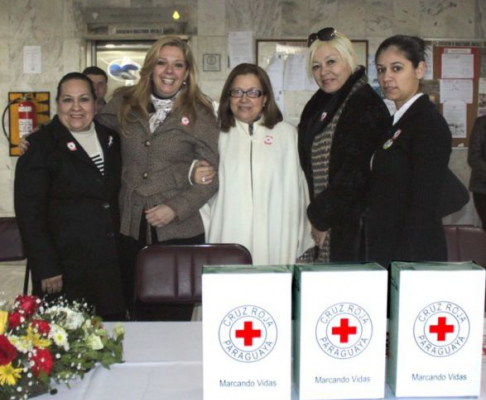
(162, 109)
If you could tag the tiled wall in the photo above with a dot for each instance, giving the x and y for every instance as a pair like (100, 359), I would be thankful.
(58, 27)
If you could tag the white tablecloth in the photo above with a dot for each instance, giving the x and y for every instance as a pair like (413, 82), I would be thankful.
(163, 361)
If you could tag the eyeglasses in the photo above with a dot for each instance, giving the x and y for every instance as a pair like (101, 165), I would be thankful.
(252, 93)
(325, 35)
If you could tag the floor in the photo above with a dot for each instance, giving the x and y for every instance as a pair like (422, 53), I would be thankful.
(11, 279)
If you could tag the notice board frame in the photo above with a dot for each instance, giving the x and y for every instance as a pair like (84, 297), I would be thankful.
(478, 47)
(361, 47)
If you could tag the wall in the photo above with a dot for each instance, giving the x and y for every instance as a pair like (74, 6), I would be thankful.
(58, 26)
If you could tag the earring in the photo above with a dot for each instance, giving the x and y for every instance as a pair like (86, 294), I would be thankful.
(184, 83)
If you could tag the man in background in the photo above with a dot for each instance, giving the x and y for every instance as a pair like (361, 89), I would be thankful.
(100, 83)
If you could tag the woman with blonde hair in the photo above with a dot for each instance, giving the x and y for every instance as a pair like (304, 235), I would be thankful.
(165, 122)
(339, 130)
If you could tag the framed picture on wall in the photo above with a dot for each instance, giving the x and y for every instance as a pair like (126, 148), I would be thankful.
(267, 48)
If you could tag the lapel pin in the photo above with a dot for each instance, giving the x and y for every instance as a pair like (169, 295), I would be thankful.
(268, 139)
(390, 141)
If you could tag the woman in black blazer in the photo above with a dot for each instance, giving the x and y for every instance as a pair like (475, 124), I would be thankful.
(403, 220)
(66, 203)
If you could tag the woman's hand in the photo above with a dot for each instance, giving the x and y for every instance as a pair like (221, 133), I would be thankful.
(160, 215)
(318, 236)
(52, 285)
(24, 143)
(203, 173)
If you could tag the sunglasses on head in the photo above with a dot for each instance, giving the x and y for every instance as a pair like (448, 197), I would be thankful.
(325, 35)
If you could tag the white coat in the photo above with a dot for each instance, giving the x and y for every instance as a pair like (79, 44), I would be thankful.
(262, 198)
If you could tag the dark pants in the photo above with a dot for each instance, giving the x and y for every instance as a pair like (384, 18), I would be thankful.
(480, 204)
(130, 250)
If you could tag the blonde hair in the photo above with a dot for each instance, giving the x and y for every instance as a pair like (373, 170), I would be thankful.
(138, 97)
(341, 44)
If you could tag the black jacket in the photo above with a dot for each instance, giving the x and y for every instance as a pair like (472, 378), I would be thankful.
(361, 125)
(476, 156)
(403, 221)
(68, 214)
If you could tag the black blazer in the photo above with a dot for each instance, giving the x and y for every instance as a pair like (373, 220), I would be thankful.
(68, 214)
(403, 220)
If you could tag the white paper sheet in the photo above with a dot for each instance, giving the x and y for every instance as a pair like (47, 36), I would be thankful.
(240, 48)
(275, 71)
(458, 64)
(429, 61)
(455, 113)
(32, 60)
(295, 75)
(482, 97)
(456, 90)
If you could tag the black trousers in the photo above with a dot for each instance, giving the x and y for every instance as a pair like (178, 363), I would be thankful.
(130, 248)
(480, 204)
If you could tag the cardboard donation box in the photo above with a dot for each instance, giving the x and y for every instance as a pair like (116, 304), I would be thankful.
(247, 332)
(436, 329)
(340, 331)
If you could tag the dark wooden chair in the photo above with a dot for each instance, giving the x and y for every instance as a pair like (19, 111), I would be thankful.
(466, 243)
(11, 248)
(171, 275)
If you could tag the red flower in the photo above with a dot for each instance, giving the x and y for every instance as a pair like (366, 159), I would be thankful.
(27, 304)
(42, 361)
(8, 352)
(14, 320)
(42, 327)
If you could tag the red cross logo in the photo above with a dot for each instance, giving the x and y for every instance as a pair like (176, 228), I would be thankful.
(344, 330)
(441, 329)
(248, 333)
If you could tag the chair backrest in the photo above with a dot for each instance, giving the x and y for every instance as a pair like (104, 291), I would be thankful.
(172, 274)
(466, 242)
(11, 248)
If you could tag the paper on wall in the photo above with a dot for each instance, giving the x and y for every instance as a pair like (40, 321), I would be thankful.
(240, 48)
(294, 72)
(455, 113)
(456, 90)
(458, 64)
(275, 71)
(32, 60)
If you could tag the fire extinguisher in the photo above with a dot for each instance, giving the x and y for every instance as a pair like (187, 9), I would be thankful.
(27, 119)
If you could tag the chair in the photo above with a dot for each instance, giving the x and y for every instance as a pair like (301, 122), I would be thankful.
(11, 248)
(171, 275)
(465, 243)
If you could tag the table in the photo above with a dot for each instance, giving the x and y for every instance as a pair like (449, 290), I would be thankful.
(163, 361)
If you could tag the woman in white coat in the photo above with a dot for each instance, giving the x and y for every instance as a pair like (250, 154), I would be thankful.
(261, 201)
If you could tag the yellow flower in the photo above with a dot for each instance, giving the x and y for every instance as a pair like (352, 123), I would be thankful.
(36, 339)
(3, 321)
(9, 374)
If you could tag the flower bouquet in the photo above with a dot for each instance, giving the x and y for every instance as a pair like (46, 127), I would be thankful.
(43, 342)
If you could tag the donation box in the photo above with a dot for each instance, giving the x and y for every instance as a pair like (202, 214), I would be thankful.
(436, 329)
(340, 331)
(247, 332)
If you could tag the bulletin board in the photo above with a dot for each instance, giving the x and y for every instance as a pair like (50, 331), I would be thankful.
(266, 48)
(477, 48)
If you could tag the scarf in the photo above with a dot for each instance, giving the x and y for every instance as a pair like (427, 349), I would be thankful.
(162, 108)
